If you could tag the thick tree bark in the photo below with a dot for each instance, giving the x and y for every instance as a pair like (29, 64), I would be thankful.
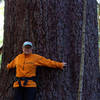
(55, 29)
(91, 56)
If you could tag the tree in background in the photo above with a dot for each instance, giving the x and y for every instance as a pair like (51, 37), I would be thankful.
(55, 29)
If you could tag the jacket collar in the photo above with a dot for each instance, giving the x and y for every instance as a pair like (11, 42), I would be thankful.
(27, 55)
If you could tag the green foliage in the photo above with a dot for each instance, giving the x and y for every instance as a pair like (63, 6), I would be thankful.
(0, 60)
(1, 0)
(1, 25)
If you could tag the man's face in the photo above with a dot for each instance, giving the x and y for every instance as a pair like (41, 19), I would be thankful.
(27, 49)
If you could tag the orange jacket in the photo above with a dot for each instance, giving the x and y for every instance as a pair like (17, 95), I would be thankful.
(26, 67)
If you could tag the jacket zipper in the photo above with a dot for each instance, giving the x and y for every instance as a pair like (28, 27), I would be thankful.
(23, 63)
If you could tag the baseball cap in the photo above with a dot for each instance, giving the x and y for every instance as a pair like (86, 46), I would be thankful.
(27, 43)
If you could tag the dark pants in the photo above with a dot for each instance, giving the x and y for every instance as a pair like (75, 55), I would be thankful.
(25, 93)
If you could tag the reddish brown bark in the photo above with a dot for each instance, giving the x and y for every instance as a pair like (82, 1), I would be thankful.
(54, 27)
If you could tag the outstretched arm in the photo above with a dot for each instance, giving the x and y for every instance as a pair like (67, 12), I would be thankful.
(50, 63)
(12, 64)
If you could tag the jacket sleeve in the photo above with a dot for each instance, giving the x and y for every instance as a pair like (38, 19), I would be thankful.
(49, 63)
(12, 64)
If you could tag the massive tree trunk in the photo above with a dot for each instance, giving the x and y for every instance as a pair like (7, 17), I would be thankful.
(55, 29)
